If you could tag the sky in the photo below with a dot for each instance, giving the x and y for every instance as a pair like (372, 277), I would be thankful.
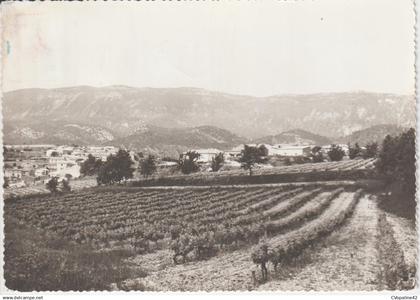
(259, 48)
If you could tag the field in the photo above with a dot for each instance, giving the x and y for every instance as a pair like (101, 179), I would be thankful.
(307, 168)
(210, 238)
(76, 184)
(326, 171)
(344, 165)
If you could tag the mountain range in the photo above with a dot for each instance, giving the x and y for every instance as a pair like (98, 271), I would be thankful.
(295, 136)
(372, 134)
(158, 118)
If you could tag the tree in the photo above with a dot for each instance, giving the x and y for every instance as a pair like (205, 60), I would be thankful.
(90, 166)
(116, 168)
(397, 161)
(138, 156)
(54, 154)
(52, 185)
(355, 152)
(336, 153)
(387, 159)
(316, 154)
(263, 150)
(371, 150)
(217, 162)
(287, 161)
(66, 185)
(148, 166)
(249, 157)
(188, 162)
(5, 182)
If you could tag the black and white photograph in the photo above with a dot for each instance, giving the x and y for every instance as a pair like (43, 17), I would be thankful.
(209, 146)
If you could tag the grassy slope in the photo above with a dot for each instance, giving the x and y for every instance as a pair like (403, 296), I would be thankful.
(38, 261)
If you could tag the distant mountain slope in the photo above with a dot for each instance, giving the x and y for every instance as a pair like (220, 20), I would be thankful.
(123, 110)
(372, 134)
(172, 141)
(297, 136)
(55, 132)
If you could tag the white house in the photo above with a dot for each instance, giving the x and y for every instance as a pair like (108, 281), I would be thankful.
(17, 184)
(206, 155)
(231, 154)
(41, 172)
(166, 164)
(59, 151)
(13, 173)
(236, 151)
(102, 152)
(61, 167)
(289, 150)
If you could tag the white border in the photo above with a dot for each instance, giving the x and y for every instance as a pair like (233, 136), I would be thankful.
(414, 294)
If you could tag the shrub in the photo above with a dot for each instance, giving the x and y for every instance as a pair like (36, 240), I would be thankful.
(148, 166)
(116, 168)
(336, 153)
(52, 185)
(355, 152)
(252, 155)
(66, 186)
(371, 150)
(316, 154)
(90, 166)
(217, 162)
(188, 162)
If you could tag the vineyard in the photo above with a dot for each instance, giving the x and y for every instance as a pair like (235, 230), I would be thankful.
(240, 234)
(324, 171)
(147, 220)
(344, 165)
(348, 165)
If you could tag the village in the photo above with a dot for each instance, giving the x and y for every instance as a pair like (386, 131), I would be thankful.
(34, 165)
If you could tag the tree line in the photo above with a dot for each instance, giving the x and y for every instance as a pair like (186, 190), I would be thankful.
(395, 161)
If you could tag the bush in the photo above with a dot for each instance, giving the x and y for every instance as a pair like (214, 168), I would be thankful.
(252, 155)
(188, 162)
(217, 162)
(52, 185)
(90, 166)
(316, 154)
(355, 152)
(371, 150)
(336, 153)
(116, 168)
(148, 166)
(66, 186)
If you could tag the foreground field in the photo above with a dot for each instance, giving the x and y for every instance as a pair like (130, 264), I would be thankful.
(148, 219)
(205, 238)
